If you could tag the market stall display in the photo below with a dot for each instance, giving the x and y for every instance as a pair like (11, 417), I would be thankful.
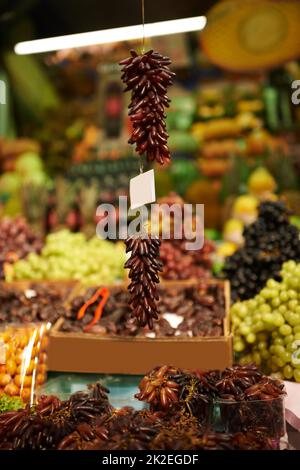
(216, 327)
(87, 421)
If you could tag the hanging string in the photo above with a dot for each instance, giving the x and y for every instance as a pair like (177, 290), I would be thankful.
(143, 21)
(143, 51)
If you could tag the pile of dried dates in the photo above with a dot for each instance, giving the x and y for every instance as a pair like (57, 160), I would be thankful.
(36, 303)
(174, 421)
(196, 310)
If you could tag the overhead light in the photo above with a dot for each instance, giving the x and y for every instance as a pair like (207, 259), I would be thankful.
(105, 36)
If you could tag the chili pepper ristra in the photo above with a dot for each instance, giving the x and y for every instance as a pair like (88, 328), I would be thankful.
(148, 77)
(144, 266)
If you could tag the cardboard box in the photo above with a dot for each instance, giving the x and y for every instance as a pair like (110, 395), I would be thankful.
(91, 353)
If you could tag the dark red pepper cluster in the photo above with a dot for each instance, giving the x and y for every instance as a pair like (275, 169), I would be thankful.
(148, 76)
(144, 267)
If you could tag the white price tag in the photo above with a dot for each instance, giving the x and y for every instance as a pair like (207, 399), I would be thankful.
(142, 189)
(2, 352)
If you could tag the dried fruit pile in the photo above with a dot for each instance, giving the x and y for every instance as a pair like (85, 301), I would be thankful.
(87, 421)
(148, 76)
(46, 425)
(16, 241)
(36, 303)
(195, 310)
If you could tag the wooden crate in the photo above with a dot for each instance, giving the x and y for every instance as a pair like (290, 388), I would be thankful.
(91, 353)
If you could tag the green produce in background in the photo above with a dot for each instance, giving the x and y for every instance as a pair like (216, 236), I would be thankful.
(8, 403)
(182, 142)
(163, 182)
(31, 85)
(68, 255)
(28, 162)
(183, 173)
(10, 182)
(181, 114)
(266, 328)
(10, 193)
(295, 220)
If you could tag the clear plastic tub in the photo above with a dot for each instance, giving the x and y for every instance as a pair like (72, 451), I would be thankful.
(265, 416)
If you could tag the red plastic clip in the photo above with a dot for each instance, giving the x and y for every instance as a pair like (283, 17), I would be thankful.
(102, 292)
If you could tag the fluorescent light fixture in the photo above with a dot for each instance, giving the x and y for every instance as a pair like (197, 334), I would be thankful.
(105, 36)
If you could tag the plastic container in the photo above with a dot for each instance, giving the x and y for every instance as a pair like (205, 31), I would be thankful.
(265, 416)
(23, 359)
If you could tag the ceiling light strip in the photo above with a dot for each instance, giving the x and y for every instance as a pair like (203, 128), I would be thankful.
(106, 36)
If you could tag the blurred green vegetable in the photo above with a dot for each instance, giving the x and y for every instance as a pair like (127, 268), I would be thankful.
(10, 403)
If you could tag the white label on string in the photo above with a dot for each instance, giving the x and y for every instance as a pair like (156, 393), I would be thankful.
(142, 189)
(2, 352)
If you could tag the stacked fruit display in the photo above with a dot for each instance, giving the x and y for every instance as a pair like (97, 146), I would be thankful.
(24, 352)
(230, 123)
(269, 241)
(180, 264)
(16, 241)
(267, 327)
(68, 256)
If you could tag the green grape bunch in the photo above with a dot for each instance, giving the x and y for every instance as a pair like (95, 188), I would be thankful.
(266, 328)
(70, 256)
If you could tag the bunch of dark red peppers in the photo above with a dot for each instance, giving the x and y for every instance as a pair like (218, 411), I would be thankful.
(178, 417)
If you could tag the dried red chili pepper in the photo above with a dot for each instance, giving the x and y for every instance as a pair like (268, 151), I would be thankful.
(144, 266)
(148, 76)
